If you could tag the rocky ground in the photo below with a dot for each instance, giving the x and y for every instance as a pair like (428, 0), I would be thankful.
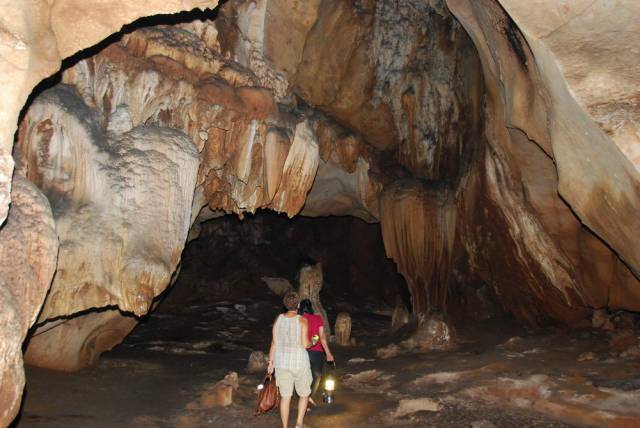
(500, 375)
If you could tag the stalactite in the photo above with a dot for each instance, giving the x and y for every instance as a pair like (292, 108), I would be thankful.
(418, 228)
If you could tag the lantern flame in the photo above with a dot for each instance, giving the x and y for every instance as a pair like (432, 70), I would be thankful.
(329, 385)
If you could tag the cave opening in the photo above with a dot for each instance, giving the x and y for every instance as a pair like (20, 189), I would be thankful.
(175, 179)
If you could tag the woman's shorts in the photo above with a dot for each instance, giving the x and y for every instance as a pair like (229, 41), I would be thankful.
(301, 378)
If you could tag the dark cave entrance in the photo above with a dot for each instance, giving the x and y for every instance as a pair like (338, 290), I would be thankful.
(230, 258)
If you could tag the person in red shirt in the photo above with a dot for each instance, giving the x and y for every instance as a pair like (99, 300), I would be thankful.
(320, 344)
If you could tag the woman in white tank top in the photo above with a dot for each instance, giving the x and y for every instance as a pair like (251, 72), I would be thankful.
(289, 358)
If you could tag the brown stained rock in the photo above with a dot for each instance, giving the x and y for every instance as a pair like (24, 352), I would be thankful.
(298, 17)
(540, 393)
(74, 343)
(276, 149)
(28, 252)
(342, 329)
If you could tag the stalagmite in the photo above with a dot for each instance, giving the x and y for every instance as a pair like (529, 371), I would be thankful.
(310, 285)
(258, 362)
(400, 316)
(343, 329)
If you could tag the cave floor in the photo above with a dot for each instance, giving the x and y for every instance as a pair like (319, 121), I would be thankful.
(501, 375)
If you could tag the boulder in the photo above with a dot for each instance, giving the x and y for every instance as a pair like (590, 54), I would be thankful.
(433, 333)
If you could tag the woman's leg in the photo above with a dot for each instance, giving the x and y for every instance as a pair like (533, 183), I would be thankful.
(303, 388)
(303, 402)
(285, 404)
(285, 381)
(317, 362)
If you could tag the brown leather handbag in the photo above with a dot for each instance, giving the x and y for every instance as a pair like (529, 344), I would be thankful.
(268, 398)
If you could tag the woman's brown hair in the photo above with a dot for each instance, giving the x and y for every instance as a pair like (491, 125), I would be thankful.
(291, 300)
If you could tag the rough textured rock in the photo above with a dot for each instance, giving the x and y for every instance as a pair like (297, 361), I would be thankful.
(28, 251)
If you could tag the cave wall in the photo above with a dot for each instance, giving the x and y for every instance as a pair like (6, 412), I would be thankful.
(565, 269)
(36, 36)
(495, 141)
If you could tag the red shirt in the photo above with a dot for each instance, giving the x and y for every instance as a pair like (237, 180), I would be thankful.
(315, 322)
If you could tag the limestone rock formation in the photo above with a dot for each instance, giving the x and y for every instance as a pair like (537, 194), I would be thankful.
(28, 251)
(219, 394)
(592, 83)
(69, 344)
(419, 229)
(279, 286)
(400, 317)
(118, 245)
(342, 329)
(37, 36)
(310, 284)
(433, 333)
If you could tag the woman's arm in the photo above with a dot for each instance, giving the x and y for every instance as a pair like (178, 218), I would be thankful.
(305, 332)
(272, 349)
(325, 344)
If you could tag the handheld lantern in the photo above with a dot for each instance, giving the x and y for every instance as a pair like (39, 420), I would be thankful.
(328, 396)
